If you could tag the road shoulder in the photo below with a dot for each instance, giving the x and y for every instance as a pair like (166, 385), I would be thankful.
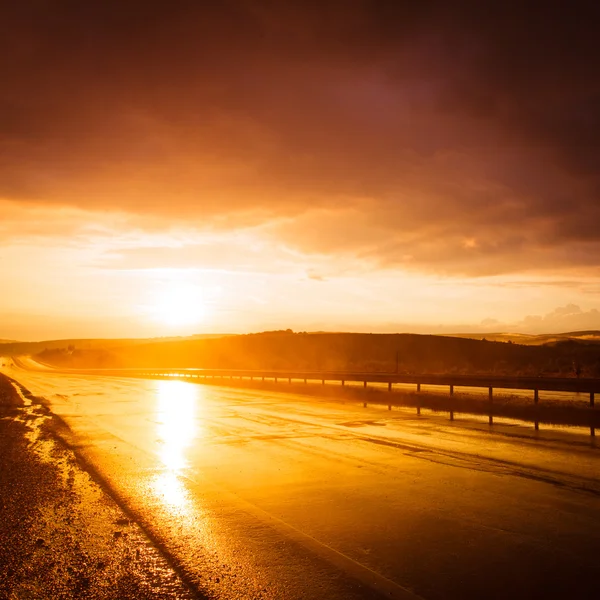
(61, 535)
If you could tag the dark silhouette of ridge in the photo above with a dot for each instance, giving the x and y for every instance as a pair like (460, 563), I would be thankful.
(407, 353)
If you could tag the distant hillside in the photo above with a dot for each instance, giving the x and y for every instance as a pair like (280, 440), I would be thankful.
(12, 348)
(344, 352)
(17, 348)
(588, 337)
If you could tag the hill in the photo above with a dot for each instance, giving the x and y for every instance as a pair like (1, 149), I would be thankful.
(588, 337)
(408, 353)
(13, 348)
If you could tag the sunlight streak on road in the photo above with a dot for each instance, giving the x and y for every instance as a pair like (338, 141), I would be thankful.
(177, 428)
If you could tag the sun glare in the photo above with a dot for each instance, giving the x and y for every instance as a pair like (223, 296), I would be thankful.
(180, 304)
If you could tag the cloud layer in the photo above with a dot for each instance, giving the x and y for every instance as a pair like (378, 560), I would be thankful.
(453, 137)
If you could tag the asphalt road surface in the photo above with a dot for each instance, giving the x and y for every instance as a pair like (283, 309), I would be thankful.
(260, 494)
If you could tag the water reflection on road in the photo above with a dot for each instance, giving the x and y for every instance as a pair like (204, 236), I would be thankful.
(266, 494)
(177, 406)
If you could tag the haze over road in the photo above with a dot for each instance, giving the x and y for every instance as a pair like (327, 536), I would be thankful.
(262, 494)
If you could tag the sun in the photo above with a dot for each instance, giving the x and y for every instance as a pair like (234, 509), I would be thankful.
(180, 304)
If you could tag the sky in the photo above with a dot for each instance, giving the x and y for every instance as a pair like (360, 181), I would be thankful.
(170, 168)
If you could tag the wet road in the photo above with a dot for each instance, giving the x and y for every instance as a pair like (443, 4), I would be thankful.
(259, 494)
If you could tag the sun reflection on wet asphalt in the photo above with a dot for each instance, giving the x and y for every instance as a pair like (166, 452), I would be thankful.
(172, 490)
(177, 429)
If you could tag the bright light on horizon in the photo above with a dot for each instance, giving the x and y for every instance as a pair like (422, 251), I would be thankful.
(126, 285)
(179, 304)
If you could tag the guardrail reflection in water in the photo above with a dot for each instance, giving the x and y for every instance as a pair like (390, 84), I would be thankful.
(533, 384)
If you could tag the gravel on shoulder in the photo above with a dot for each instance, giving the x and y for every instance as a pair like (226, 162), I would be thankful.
(61, 535)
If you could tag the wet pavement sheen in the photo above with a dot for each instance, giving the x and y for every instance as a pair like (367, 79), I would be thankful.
(262, 494)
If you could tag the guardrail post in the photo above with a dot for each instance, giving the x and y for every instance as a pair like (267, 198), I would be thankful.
(523, 383)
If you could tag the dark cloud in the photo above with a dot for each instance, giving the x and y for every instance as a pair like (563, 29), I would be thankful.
(443, 122)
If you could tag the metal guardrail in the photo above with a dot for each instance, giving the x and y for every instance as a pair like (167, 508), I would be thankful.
(555, 384)
(535, 384)
(489, 382)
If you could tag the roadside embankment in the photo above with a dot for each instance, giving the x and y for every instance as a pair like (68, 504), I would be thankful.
(61, 535)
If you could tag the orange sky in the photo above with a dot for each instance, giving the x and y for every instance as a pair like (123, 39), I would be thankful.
(369, 166)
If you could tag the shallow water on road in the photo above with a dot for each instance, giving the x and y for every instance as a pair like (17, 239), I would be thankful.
(268, 494)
